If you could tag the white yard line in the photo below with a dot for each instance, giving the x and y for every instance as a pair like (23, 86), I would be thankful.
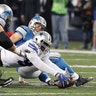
(83, 66)
(43, 94)
(73, 51)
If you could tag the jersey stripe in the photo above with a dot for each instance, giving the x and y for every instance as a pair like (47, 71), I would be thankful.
(33, 47)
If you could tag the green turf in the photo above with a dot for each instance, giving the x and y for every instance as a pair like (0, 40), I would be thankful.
(73, 59)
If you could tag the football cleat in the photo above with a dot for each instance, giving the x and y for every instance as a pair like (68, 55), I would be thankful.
(81, 80)
(6, 82)
(51, 83)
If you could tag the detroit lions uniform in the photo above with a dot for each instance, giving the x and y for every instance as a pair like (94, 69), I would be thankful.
(26, 34)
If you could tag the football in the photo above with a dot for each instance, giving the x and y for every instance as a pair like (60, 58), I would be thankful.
(68, 84)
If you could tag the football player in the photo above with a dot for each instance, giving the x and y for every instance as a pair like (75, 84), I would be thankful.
(36, 50)
(6, 15)
(5, 40)
(24, 33)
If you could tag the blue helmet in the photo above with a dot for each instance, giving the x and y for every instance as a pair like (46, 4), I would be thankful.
(43, 38)
(34, 20)
(6, 13)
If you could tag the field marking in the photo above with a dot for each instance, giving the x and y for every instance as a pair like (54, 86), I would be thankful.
(83, 66)
(73, 51)
(43, 94)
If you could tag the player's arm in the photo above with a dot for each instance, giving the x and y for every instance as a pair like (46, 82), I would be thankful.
(52, 65)
(34, 59)
(39, 64)
(19, 34)
(15, 37)
(5, 41)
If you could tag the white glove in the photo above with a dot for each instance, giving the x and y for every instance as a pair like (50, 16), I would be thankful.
(62, 78)
(21, 52)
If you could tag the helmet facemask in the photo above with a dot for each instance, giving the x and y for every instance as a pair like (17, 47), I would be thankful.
(44, 46)
(43, 40)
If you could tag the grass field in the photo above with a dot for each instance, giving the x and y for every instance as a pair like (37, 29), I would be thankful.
(83, 64)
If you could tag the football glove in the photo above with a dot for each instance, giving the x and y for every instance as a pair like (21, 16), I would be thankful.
(21, 52)
(62, 79)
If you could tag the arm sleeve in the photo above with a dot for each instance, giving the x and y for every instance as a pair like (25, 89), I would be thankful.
(52, 65)
(22, 31)
(38, 63)
(5, 41)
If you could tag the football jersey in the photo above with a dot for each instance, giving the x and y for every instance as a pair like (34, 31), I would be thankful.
(26, 34)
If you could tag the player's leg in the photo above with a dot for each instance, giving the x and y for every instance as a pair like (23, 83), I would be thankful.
(6, 82)
(27, 72)
(60, 62)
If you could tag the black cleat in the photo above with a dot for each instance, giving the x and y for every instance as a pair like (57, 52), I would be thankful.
(51, 83)
(6, 82)
(82, 81)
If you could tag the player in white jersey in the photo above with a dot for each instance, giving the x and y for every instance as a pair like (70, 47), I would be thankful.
(24, 33)
(37, 50)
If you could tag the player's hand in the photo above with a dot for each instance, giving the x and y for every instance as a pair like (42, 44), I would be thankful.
(21, 52)
(25, 62)
(6, 82)
(63, 79)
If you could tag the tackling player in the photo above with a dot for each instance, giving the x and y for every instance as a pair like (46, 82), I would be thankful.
(5, 54)
(24, 33)
(36, 50)
(6, 15)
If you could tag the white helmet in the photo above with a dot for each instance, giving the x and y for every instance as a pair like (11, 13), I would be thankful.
(6, 12)
(43, 39)
(34, 20)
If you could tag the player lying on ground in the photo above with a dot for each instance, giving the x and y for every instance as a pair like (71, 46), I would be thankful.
(38, 50)
(3, 34)
(24, 33)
